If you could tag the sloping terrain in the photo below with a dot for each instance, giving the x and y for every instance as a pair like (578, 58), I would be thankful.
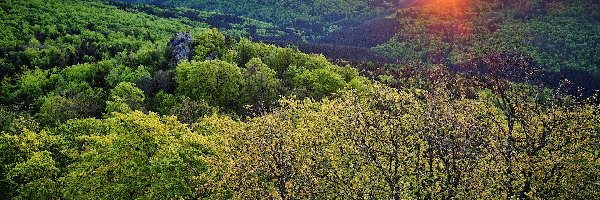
(105, 100)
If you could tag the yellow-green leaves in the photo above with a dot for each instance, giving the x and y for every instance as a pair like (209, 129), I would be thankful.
(216, 82)
(125, 98)
(209, 45)
(140, 157)
(401, 144)
(36, 177)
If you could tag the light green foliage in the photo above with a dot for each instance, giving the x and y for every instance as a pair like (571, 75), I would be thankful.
(319, 82)
(150, 55)
(538, 136)
(29, 167)
(258, 121)
(126, 74)
(390, 144)
(28, 87)
(276, 58)
(49, 34)
(124, 98)
(268, 72)
(209, 44)
(78, 78)
(314, 76)
(216, 82)
(83, 72)
(139, 157)
(37, 177)
(279, 150)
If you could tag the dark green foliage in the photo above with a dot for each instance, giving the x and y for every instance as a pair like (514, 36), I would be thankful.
(190, 111)
(163, 102)
(57, 109)
(125, 74)
(261, 85)
(160, 81)
(7, 116)
(281, 10)
(556, 35)
(232, 25)
(313, 19)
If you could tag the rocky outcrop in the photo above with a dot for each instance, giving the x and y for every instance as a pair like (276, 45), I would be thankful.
(178, 48)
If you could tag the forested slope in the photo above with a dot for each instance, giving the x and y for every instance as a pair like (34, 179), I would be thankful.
(95, 104)
(554, 35)
(557, 36)
(281, 11)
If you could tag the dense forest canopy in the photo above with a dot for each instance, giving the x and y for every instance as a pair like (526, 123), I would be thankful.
(283, 11)
(431, 99)
(554, 34)
(559, 36)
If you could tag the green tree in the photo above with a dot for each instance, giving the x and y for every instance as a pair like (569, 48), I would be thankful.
(36, 177)
(384, 137)
(125, 74)
(124, 98)
(189, 111)
(72, 103)
(137, 156)
(261, 85)
(28, 87)
(30, 166)
(284, 152)
(209, 44)
(216, 82)
(319, 83)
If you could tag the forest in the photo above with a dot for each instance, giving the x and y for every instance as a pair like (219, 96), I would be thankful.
(280, 99)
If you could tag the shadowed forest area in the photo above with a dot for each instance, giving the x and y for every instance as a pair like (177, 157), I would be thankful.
(281, 99)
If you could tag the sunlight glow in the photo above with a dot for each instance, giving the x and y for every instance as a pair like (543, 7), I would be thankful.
(446, 5)
(453, 11)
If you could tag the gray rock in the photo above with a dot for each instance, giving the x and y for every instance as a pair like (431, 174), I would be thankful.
(179, 48)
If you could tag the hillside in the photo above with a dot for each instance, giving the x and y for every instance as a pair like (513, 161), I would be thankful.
(283, 11)
(243, 100)
(555, 35)
(559, 37)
